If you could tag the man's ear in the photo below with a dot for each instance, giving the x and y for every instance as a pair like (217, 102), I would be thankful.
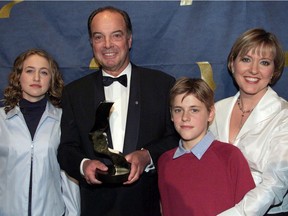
(130, 41)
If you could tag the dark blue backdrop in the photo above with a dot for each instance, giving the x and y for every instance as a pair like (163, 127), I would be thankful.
(166, 35)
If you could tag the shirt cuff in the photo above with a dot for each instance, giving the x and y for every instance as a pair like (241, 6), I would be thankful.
(81, 166)
(150, 166)
(230, 212)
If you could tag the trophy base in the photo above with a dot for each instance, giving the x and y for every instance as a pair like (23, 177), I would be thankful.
(114, 175)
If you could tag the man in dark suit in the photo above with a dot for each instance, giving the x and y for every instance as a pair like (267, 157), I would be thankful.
(140, 124)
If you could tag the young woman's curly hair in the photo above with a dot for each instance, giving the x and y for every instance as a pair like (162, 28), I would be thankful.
(13, 92)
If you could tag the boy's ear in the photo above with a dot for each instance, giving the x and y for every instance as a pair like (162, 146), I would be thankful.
(211, 114)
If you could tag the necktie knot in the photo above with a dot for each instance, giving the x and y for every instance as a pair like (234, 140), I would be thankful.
(107, 81)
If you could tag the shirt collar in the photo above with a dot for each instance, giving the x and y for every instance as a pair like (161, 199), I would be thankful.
(198, 150)
(126, 71)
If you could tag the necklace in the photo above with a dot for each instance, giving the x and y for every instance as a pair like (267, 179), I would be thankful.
(243, 111)
(241, 108)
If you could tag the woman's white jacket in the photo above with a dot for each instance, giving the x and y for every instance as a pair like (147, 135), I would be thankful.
(50, 189)
(263, 140)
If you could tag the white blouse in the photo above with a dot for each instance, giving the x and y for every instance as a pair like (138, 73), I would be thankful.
(263, 140)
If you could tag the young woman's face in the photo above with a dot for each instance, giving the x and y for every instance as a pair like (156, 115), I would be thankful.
(35, 78)
(253, 72)
(191, 118)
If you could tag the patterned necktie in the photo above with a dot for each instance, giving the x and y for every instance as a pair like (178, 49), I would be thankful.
(107, 81)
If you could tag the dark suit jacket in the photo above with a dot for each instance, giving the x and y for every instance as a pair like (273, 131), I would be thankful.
(148, 121)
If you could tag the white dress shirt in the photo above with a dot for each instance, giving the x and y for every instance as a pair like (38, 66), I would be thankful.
(118, 94)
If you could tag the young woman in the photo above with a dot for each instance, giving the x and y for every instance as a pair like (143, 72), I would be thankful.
(30, 178)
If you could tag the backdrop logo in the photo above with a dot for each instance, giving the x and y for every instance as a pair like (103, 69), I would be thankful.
(93, 64)
(6, 9)
(207, 74)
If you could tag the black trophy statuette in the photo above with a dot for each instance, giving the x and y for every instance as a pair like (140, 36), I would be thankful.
(119, 171)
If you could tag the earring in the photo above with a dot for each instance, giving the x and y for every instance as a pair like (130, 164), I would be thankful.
(271, 79)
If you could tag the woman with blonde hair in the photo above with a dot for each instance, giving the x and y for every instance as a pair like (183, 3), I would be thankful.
(256, 121)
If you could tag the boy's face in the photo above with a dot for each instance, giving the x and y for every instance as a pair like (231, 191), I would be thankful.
(190, 117)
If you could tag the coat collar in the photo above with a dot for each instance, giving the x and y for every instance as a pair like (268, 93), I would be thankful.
(50, 111)
(268, 106)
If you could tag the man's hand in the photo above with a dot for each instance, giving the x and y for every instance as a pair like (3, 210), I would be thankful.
(139, 160)
(89, 169)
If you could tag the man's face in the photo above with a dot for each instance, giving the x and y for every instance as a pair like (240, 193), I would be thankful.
(111, 42)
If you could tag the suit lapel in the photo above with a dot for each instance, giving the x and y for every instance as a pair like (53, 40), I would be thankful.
(99, 95)
(94, 95)
(133, 117)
